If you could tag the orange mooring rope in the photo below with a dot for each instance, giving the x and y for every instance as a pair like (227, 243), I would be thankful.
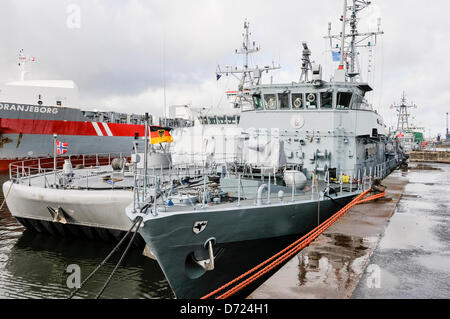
(289, 251)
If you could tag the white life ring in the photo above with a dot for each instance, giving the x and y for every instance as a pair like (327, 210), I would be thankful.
(311, 97)
(298, 103)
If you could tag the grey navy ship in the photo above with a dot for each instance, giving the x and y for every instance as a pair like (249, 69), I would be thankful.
(411, 137)
(308, 148)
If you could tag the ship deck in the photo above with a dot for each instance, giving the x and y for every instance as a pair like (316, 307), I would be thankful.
(104, 178)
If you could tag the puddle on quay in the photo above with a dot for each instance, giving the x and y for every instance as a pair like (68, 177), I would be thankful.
(337, 262)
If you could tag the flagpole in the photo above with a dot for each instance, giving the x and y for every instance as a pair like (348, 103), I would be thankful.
(54, 155)
(145, 153)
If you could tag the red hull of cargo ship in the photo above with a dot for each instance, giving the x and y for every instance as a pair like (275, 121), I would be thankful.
(26, 139)
(48, 127)
(4, 164)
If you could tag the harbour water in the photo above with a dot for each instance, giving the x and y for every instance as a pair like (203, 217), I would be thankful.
(34, 266)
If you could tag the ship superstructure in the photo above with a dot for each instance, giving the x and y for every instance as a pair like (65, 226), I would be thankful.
(315, 125)
(324, 125)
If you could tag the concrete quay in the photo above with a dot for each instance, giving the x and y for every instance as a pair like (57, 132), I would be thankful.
(332, 265)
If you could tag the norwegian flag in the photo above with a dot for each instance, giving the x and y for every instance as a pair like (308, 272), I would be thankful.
(61, 148)
(401, 135)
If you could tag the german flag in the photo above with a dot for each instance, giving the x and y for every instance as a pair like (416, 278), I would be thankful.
(160, 134)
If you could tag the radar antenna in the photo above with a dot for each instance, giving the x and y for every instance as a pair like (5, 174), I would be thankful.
(249, 76)
(306, 63)
(349, 42)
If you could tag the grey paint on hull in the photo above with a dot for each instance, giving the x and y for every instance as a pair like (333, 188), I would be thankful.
(36, 112)
(172, 240)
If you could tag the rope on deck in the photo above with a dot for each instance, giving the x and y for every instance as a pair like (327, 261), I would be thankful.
(7, 194)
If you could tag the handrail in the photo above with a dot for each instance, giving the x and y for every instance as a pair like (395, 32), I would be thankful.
(43, 166)
(37, 162)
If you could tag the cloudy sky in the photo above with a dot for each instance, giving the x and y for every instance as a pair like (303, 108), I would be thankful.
(121, 52)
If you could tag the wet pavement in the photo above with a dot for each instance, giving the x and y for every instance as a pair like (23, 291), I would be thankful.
(365, 255)
(412, 259)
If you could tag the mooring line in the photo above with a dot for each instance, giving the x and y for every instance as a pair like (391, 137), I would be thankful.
(121, 258)
(138, 220)
(4, 200)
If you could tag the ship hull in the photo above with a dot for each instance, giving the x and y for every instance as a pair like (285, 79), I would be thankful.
(243, 238)
(27, 131)
(101, 211)
(77, 231)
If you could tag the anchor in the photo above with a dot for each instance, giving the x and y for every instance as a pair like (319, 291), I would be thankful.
(59, 215)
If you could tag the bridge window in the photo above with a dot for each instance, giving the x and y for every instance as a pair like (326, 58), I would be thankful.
(311, 101)
(221, 119)
(270, 101)
(283, 100)
(231, 120)
(257, 102)
(297, 101)
(357, 101)
(326, 100)
(343, 100)
(212, 120)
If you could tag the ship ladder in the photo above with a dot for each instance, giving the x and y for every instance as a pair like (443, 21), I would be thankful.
(288, 252)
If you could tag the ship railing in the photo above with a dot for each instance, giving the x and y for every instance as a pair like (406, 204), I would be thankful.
(146, 183)
(160, 185)
(200, 170)
(23, 172)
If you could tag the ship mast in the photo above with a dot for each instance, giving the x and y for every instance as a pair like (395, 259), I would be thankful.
(447, 137)
(306, 63)
(22, 62)
(247, 76)
(403, 114)
(351, 41)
